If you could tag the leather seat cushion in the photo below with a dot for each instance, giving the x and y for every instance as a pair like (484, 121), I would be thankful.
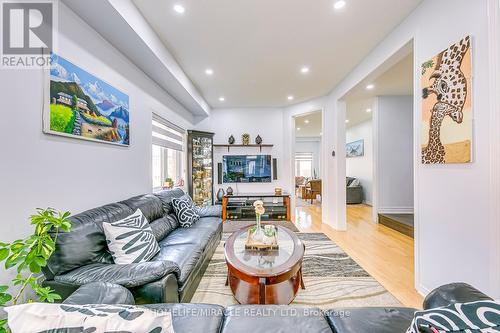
(189, 318)
(101, 293)
(185, 256)
(373, 320)
(131, 275)
(150, 206)
(192, 235)
(275, 318)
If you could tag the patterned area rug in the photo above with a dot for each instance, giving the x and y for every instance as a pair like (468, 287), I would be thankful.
(331, 277)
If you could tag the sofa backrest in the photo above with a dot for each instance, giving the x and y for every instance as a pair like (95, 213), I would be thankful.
(86, 243)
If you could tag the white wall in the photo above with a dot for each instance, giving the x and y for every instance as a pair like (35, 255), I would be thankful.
(268, 123)
(311, 145)
(362, 167)
(39, 170)
(453, 211)
(394, 121)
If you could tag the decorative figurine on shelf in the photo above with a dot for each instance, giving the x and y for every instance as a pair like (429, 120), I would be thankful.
(229, 190)
(258, 235)
(231, 140)
(245, 139)
(168, 184)
(258, 140)
(220, 194)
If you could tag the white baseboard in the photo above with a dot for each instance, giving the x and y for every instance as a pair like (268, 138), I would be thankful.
(395, 210)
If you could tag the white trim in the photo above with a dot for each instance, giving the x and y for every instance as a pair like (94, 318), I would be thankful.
(376, 166)
(494, 191)
(395, 210)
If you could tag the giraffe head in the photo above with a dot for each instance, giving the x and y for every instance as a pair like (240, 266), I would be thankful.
(449, 82)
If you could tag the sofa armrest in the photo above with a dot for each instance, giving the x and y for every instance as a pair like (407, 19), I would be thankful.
(210, 211)
(453, 293)
(165, 290)
(100, 293)
(131, 275)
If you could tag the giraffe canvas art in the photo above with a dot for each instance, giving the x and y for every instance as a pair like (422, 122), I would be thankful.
(447, 105)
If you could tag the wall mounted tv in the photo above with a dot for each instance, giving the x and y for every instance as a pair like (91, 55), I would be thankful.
(246, 168)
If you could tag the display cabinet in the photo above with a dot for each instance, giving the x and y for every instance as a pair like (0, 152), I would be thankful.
(200, 167)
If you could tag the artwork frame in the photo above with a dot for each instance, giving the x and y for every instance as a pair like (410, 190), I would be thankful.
(447, 108)
(80, 105)
(355, 148)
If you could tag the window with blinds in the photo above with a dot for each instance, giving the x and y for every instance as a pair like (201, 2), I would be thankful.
(167, 154)
(304, 165)
(166, 134)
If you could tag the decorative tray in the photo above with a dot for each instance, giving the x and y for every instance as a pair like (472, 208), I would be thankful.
(270, 237)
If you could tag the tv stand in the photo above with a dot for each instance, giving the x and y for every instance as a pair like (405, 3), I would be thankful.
(240, 206)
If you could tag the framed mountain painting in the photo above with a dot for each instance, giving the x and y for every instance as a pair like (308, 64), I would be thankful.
(85, 107)
(446, 82)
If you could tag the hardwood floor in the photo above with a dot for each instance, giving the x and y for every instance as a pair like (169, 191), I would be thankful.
(384, 253)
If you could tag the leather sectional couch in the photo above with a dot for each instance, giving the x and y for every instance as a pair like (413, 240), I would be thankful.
(82, 257)
(206, 318)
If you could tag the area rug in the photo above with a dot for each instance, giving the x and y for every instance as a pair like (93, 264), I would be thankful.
(232, 226)
(331, 277)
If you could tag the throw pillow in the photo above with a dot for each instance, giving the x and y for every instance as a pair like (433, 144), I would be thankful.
(185, 212)
(42, 317)
(131, 239)
(354, 183)
(473, 317)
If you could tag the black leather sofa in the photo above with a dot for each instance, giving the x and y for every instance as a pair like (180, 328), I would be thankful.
(206, 318)
(82, 257)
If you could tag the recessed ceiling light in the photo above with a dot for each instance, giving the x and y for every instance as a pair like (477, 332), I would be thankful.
(306, 121)
(320, 133)
(347, 121)
(222, 99)
(370, 86)
(179, 9)
(298, 128)
(290, 98)
(339, 4)
(304, 70)
(209, 71)
(368, 110)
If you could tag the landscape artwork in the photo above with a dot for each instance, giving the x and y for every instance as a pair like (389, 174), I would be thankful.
(85, 107)
(447, 105)
(355, 148)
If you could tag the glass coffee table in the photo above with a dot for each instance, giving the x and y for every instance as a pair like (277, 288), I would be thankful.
(265, 277)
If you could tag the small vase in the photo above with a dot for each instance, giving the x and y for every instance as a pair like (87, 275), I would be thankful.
(258, 235)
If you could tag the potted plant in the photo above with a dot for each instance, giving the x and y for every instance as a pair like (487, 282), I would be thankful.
(169, 183)
(28, 256)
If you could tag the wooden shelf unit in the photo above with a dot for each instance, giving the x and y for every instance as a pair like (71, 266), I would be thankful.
(228, 146)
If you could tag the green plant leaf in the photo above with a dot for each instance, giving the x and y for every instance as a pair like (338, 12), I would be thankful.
(4, 253)
(34, 267)
(4, 298)
(3, 289)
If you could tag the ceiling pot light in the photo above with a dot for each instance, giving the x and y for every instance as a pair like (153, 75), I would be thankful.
(209, 71)
(222, 99)
(290, 98)
(370, 86)
(339, 4)
(320, 133)
(304, 70)
(368, 110)
(306, 121)
(298, 128)
(347, 121)
(179, 9)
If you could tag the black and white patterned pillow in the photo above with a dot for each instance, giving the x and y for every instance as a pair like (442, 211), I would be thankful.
(131, 239)
(185, 212)
(473, 317)
(42, 317)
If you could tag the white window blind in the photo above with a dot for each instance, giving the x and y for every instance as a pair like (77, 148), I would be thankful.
(166, 134)
(304, 164)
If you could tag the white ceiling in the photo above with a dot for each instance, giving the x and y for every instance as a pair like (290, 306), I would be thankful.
(309, 124)
(256, 48)
(397, 80)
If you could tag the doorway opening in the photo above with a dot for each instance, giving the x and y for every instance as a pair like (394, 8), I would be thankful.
(307, 166)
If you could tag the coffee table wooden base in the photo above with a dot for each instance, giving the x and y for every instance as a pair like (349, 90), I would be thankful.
(261, 291)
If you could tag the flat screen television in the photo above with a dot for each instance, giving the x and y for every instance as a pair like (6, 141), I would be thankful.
(246, 168)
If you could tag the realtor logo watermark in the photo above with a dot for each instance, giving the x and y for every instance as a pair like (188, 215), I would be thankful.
(28, 33)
